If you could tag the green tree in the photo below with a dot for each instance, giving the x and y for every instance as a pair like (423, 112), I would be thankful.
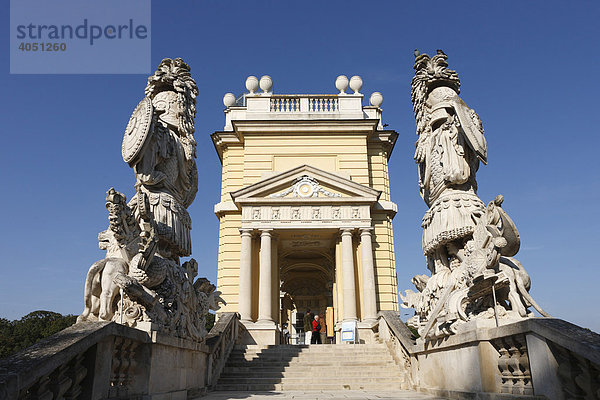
(20, 334)
(210, 321)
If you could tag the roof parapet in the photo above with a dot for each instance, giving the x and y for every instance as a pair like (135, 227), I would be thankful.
(265, 105)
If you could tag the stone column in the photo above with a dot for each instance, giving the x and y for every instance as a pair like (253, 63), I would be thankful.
(349, 286)
(265, 291)
(368, 273)
(245, 288)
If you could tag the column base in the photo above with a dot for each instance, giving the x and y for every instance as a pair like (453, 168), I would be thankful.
(265, 323)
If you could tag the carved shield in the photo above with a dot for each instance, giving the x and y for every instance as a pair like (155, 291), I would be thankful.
(137, 132)
(472, 127)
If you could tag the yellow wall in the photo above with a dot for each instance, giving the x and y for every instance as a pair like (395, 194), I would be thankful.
(247, 163)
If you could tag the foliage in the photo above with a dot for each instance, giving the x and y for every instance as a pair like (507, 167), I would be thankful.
(210, 321)
(20, 334)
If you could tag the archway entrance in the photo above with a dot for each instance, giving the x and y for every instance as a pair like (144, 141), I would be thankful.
(307, 275)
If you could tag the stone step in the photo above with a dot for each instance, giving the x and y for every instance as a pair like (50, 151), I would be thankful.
(294, 353)
(314, 347)
(309, 354)
(308, 380)
(350, 369)
(297, 360)
(311, 351)
(308, 386)
(333, 358)
(273, 364)
(321, 372)
(316, 367)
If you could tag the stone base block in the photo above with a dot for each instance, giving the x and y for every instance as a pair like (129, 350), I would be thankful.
(260, 333)
(365, 332)
(478, 324)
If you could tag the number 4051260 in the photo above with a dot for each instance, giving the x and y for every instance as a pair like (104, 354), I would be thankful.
(26, 46)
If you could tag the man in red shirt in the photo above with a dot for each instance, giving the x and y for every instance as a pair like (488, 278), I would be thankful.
(316, 331)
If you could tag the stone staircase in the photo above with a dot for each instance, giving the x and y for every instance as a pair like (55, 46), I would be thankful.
(316, 367)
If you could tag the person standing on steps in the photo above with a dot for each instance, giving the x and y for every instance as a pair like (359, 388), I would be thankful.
(286, 334)
(316, 331)
(308, 318)
(323, 333)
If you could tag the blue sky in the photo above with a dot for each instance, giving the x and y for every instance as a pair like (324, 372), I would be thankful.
(529, 68)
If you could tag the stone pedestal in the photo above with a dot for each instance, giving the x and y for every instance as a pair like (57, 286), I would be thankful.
(365, 331)
(260, 333)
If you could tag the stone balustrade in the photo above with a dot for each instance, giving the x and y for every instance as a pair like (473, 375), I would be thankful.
(99, 360)
(265, 105)
(305, 103)
(531, 358)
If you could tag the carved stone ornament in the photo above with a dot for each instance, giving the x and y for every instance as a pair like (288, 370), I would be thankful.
(305, 187)
(469, 247)
(141, 282)
(137, 131)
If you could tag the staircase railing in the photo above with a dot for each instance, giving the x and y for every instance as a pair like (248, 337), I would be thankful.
(221, 339)
(99, 360)
(564, 359)
(399, 340)
(74, 363)
(533, 357)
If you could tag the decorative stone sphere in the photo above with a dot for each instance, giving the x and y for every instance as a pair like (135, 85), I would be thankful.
(341, 83)
(229, 100)
(252, 84)
(376, 99)
(266, 83)
(356, 83)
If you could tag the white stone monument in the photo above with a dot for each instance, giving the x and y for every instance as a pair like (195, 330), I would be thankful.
(141, 282)
(469, 246)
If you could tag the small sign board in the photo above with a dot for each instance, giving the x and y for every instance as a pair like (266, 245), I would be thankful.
(349, 332)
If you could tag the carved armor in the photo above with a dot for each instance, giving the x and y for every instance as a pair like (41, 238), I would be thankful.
(165, 167)
(448, 163)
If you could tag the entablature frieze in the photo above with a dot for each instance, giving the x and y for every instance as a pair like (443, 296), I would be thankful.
(293, 216)
(229, 207)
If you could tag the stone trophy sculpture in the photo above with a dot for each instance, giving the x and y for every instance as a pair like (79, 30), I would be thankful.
(469, 246)
(141, 282)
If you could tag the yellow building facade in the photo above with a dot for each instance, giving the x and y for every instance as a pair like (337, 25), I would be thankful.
(305, 212)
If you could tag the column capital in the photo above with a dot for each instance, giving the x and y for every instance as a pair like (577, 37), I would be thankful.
(347, 231)
(266, 232)
(246, 231)
(366, 231)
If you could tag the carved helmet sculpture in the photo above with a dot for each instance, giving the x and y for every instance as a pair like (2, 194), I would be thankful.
(436, 88)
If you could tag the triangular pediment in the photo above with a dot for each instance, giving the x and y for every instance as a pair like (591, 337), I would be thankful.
(305, 183)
